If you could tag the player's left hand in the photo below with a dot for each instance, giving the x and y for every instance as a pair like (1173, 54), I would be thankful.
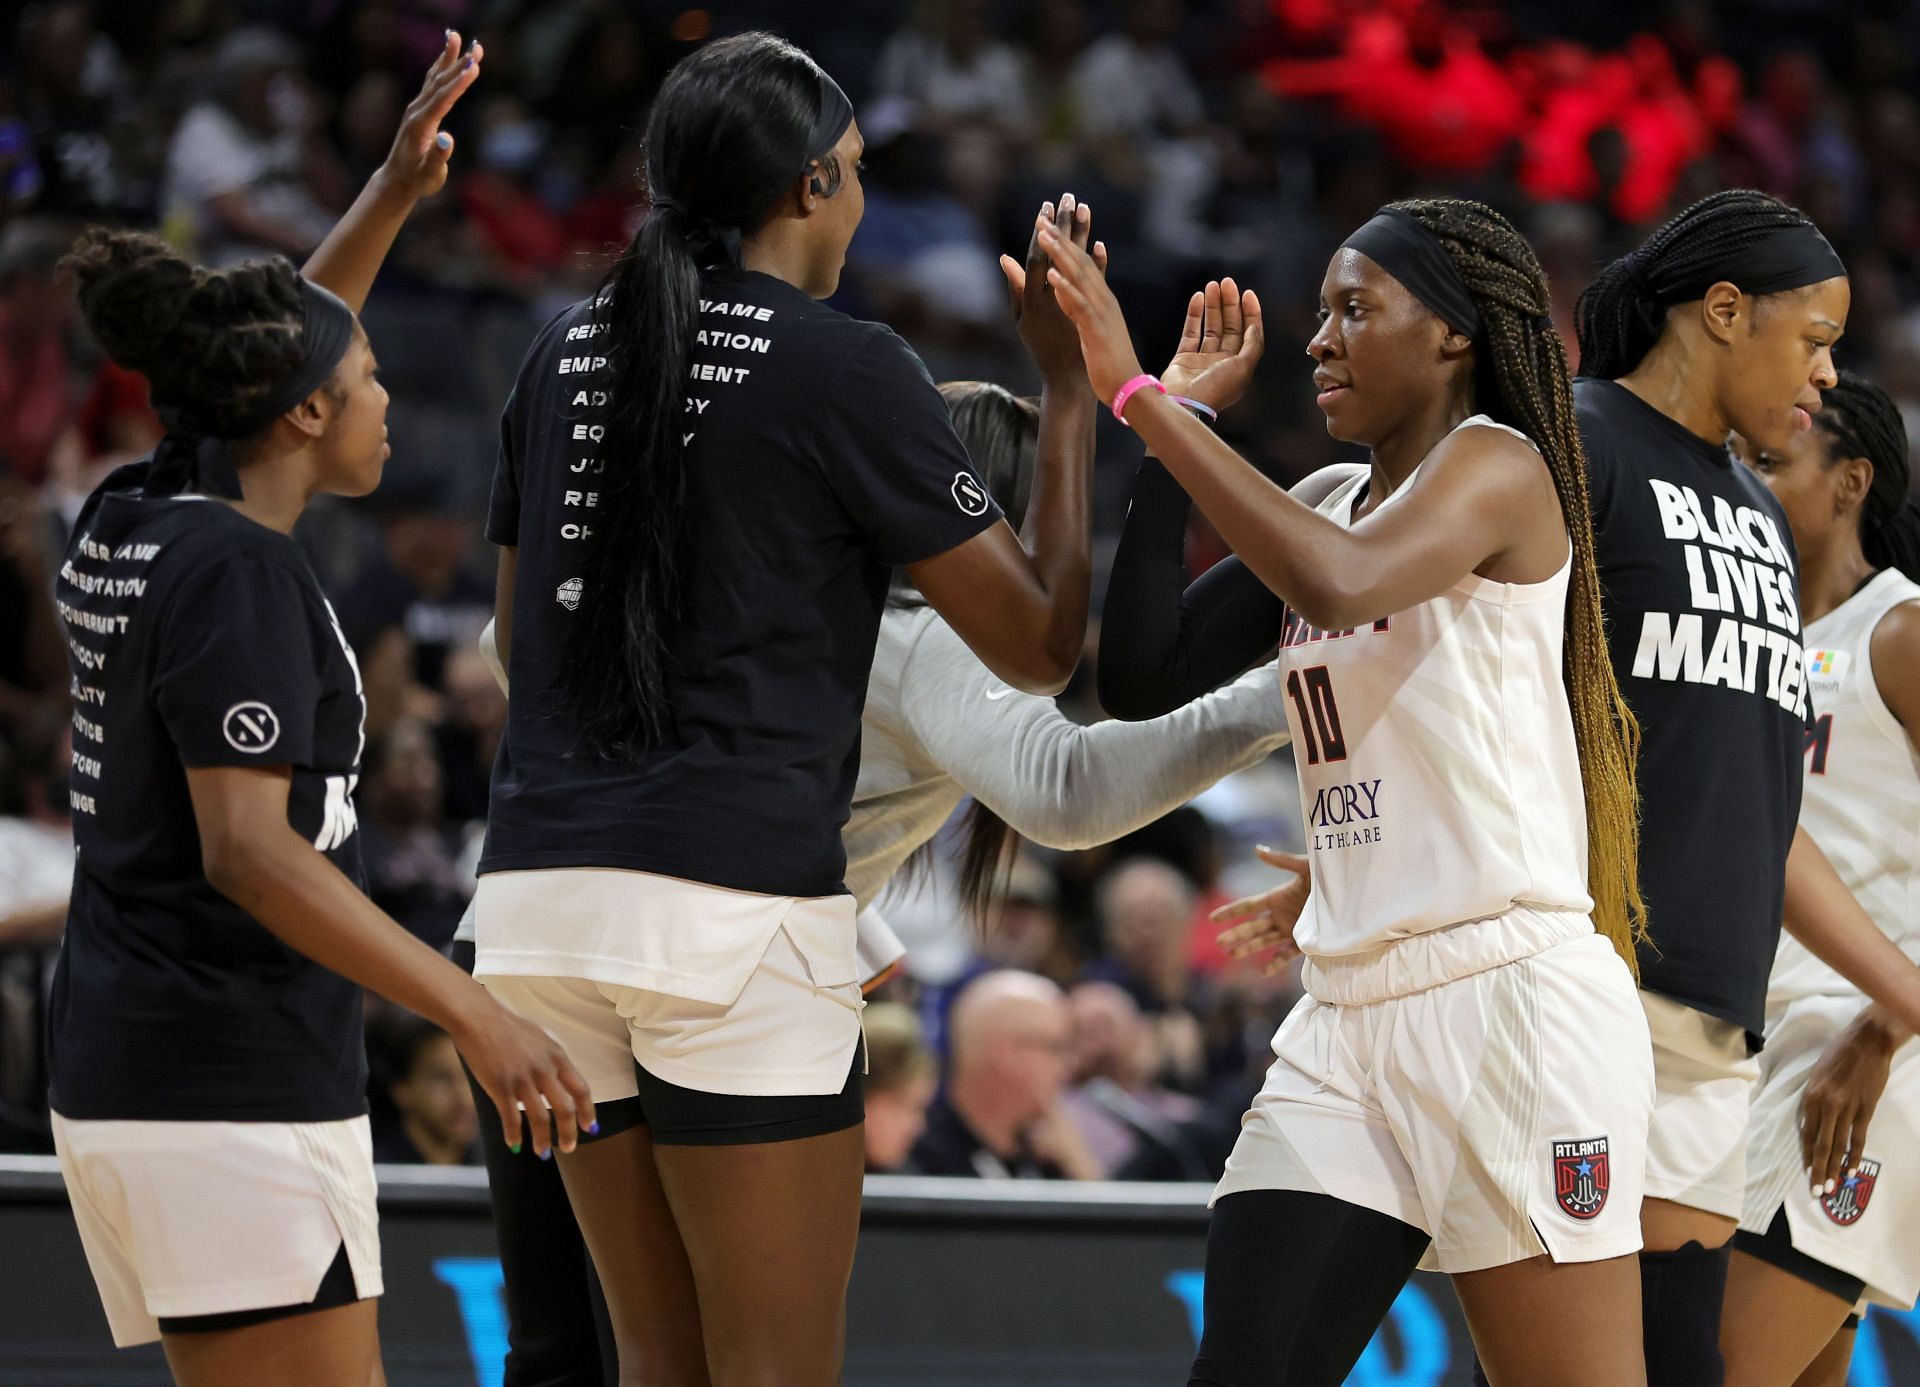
(1221, 342)
(1842, 1092)
(1266, 921)
(417, 163)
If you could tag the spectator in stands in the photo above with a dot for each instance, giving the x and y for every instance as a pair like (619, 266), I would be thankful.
(951, 70)
(246, 174)
(423, 1109)
(1001, 1116)
(1146, 914)
(33, 677)
(417, 597)
(70, 162)
(901, 1079)
(37, 400)
(1137, 1128)
(1133, 84)
(469, 735)
(36, 876)
(412, 859)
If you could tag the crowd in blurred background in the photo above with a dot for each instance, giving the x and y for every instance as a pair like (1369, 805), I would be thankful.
(1092, 1028)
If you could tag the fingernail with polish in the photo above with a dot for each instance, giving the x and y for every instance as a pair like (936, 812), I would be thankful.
(547, 1155)
(1832, 1185)
(444, 140)
(593, 1129)
(514, 1147)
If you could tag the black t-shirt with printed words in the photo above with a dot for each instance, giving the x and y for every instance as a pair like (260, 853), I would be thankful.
(1701, 590)
(820, 457)
(197, 638)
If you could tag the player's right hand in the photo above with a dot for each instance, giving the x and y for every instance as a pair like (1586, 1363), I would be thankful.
(1843, 1090)
(527, 1075)
(1266, 921)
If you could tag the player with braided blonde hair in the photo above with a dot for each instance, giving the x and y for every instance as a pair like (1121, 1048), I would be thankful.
(1470, 1075)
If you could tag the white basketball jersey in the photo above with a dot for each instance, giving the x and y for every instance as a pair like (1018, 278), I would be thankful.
(1862, 798)
(1439, 776)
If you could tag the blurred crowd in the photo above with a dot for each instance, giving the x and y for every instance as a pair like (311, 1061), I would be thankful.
(1091, 1028)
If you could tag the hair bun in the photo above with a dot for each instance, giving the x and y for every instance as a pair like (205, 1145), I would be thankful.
(134, 290)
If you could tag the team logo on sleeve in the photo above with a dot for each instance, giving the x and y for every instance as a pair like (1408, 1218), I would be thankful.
(568, 594)
(968, 494)
(251, 727)
(1846, 1204)
(1580, 1176)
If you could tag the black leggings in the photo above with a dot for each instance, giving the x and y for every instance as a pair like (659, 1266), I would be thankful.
(1296, 1285)
(558, 1334)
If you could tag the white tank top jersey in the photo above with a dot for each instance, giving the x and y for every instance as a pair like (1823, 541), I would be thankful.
(1439, 780)
(1862, 797)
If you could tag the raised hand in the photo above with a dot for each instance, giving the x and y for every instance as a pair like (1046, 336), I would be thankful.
(1266, 921)
(1047, 335)
(418, 160)
(1080, 288)
(416, 167)
(1221, 342)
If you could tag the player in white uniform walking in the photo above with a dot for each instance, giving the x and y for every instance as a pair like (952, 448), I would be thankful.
(1471, 1071)
(1832, 1215)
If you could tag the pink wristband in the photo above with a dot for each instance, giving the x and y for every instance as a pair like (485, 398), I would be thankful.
(1130, 389)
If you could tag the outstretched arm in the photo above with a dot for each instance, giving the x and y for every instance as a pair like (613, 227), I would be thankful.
(1063, 785)
(1021, 603)
(416, 167)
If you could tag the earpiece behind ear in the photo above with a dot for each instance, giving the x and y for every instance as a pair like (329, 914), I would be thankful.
(816, 187)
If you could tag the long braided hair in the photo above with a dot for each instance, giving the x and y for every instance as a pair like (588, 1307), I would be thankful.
(1862, 421)
(1622, 313)
(1521, 379)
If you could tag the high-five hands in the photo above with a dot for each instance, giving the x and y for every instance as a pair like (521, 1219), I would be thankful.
(1049, 338)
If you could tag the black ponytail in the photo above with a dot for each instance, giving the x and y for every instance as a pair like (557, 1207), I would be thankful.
(1622, 313)
(1862, 421)
(726, 140)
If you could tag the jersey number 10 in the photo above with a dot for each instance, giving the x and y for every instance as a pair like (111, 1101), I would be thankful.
(1312, 693)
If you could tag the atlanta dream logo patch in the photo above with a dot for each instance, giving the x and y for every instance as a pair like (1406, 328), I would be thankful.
(1846, 1204)
(1580, 1176)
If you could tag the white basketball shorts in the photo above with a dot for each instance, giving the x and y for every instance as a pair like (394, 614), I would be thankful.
(1505, 1112)
(1704, 1081)
(184, 1219)
(1869, 1229)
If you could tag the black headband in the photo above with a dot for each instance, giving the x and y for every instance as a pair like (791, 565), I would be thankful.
(708, 239)
(836, 114)
(1400, 245)
(1785, 257)
(191, 457)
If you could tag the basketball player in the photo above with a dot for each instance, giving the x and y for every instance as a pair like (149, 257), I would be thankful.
(1831, 1212)
(938, 726)
(1724, 320)
(205, 1029)
(1470, 815)
(706, 479)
